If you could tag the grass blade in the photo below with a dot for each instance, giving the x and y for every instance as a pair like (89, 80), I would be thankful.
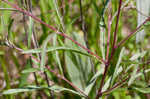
(43, 52)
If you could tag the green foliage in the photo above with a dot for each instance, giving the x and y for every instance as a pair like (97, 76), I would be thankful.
(34, 59)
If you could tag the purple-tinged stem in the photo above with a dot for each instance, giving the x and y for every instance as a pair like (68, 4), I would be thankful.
(102, 82)
(112, 53)
(70, 83)
(116, 27)
(125, 39)
(115, 86)
(62, 77)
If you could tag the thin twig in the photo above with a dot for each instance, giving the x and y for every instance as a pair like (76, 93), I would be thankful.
(54, 29)
(115, 33)
(116, 86)
(130, 34)
(116, 27)
(70, 83)
(102, 82)
(123, 5)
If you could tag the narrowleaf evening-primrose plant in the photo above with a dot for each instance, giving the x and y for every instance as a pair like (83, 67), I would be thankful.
(74, 49)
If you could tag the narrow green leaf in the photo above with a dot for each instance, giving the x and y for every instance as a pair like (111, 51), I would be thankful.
(73, 71)
(133, 75)
(140, 74)
(142, 90)
(10, 35)
(58, 14)
(89, 87)
(5, 71)
(15, 91)
(51, 49)
(30, 31)
(98, 73)
(106, 85)
(31, 88)
(78, 66)
(129, 67)
(24, 76)
(93, 80)
(60, 89)
(138, 55)
(43, 52)
(118, 68)
(31, 70)
(102, 41)
(56, 55)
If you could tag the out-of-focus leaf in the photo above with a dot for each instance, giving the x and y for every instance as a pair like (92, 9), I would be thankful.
(136, 75)
(30, 31)
(14, 91)
(2, 53)
(58, 14)
(148, 23)
(44, 8)
(137, 55)
(5, 71)
(121, 93)
(106, 85)
(142, 90)
(30, 70)
(133, 75)
(5, 17)
(23, 77)
(140, 74)
(102, 41)
(129, 67)
(141, 83)
(10, 36)
(143, 6)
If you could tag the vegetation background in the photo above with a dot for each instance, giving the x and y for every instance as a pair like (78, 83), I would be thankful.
(68, 58)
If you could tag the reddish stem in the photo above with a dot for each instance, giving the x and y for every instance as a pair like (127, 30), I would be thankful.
(102, 82)
(62, 77)
(70, 83)
(117, 22)
(115, 86)
(125, 39)
(54, 29)
(112, 53)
